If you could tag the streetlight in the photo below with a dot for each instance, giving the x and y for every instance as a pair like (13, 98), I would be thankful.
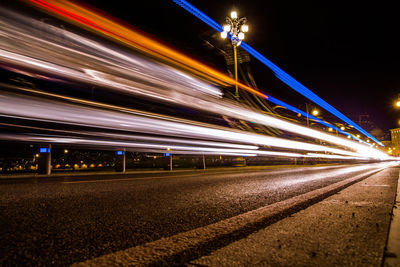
(314, 112)
(235, 27)
(397, 103)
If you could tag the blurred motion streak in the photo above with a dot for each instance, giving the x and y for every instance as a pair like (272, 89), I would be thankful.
(95, 22)
(39, 49)
(52, 111)
(106, 27)
(279, 73)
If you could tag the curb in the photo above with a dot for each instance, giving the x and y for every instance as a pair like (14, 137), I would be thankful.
(184, 247)
(392, 251)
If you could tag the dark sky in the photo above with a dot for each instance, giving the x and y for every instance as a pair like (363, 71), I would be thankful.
(347, 52)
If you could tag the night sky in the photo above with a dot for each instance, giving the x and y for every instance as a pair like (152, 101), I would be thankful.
(348, 54)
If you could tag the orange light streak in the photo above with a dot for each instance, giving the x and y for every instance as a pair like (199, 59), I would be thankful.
(99, 24)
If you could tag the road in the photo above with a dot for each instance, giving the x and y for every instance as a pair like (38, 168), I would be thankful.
(63, 220)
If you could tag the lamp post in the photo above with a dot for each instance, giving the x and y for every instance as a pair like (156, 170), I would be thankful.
(236, 27)
(314, 112)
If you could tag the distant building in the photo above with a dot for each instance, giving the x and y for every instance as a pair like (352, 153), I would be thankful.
(387, 143)
(395, 133)
(365, 122)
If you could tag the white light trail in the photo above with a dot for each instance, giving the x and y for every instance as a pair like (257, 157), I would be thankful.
(56, 51)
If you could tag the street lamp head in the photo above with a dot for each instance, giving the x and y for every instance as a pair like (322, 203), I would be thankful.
(398, 103)
(227, 27)
(342, 128)
(315, 112)
(241, 35)
(245, 28)
(224, 34)
(234, 14)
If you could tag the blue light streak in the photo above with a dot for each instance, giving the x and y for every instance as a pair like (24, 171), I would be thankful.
(311, 117)
(280, 74)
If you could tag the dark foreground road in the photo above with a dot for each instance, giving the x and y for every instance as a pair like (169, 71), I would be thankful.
(63, 220)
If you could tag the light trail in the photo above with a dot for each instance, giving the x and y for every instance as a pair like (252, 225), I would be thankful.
(45, 110)
(128, 73)
(311, 117)
(95, 22)
(163, 148)
(279, 73)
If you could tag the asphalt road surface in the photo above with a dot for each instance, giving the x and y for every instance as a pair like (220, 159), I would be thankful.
(62, 220)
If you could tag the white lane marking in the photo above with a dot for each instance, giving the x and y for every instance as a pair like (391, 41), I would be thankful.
(153, 252)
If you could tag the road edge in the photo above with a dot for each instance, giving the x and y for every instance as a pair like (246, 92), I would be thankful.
(392, 249)
(183, 246)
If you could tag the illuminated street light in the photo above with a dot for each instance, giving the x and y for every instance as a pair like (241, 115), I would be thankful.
(314, 112)
(397, 103)
(342, 128)
(330, 129)
(224, 34)
(227, 28)
(236, 28)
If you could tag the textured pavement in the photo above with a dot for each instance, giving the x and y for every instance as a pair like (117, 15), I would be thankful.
(349, 228)
(66, 220)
